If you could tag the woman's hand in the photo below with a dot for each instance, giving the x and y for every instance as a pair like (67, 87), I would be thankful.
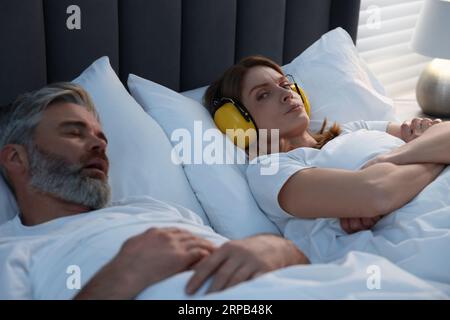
(352, 225)
(409, 130)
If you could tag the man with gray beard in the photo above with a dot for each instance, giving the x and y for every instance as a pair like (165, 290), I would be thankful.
(53, 153)
(53, 157)
(53, 174)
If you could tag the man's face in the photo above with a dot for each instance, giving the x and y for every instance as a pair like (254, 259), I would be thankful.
(68, 159)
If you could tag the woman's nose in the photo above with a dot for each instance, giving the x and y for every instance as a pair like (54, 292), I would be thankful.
(286, 95)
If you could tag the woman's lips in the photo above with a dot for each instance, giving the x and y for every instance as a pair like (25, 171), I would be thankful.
(294, 108)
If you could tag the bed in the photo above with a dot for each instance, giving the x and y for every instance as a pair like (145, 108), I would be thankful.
(135, 57)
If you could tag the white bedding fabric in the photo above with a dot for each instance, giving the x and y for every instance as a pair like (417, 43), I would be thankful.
(415, 237)
(344, 279)
(35, 259)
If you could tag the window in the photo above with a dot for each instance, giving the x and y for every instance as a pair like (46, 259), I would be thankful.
(384, 34)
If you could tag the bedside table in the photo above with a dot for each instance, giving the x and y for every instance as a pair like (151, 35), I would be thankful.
(406, 109)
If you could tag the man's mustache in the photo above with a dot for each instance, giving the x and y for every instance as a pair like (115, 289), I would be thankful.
(95, 159)
(92, 156)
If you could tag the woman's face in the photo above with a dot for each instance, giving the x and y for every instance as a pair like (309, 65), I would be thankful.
(271, 102)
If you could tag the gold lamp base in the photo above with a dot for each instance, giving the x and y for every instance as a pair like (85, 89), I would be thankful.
(433, 88)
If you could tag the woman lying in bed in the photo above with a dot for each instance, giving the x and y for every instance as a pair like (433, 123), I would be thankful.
(343, 172)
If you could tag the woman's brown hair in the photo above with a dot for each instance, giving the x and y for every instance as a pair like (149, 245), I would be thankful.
(230, 86)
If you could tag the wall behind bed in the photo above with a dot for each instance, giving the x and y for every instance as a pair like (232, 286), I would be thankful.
(182, 44)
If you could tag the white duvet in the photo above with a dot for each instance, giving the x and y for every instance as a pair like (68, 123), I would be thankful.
(416, 238)
(410, 248)
(348, 278)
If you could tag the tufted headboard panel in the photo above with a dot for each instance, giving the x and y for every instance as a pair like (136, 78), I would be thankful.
(182, 44)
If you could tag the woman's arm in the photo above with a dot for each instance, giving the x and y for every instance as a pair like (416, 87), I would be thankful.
(433, 146)
(371, 192)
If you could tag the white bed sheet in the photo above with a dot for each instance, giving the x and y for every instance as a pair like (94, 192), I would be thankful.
(415, 239)
(410, 248)
(347, 278)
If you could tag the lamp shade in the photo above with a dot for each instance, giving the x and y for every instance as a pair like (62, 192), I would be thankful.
(431, 35)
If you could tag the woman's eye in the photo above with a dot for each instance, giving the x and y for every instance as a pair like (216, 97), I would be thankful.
(286, 85)
(74, 133)
(262, 95)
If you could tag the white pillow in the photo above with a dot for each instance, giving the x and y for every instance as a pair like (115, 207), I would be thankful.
(338, 82)
(221, 188)
(195, 94)
(8, 205)
(138, 149)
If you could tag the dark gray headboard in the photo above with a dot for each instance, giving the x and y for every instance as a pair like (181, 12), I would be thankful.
(182, 44)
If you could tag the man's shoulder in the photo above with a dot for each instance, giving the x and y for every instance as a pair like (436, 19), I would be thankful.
(153, 205)
(139, 204)
(133, 200)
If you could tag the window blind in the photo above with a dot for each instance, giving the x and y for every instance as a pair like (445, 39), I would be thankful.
(384, 34)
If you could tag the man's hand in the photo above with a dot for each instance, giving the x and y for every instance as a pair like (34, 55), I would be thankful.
(144, 260)
(159, 253)
(352, 225)
(409, 130)
(240, 260)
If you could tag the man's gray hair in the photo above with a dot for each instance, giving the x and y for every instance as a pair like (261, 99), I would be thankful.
(19, 120)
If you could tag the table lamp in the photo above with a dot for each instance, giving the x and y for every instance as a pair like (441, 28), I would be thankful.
(432, 38)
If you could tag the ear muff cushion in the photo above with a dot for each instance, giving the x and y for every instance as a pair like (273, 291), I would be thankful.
(229, 117)
(304, 98)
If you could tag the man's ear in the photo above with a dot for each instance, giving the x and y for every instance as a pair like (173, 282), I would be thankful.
(14, 158)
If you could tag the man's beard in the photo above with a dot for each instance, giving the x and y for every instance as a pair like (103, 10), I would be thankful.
(53, 174)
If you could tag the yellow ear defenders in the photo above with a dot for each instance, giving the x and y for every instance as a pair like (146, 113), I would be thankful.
(232, 118)
(231, 115)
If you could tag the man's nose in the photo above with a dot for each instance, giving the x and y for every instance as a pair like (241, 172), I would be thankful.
(97, 144)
